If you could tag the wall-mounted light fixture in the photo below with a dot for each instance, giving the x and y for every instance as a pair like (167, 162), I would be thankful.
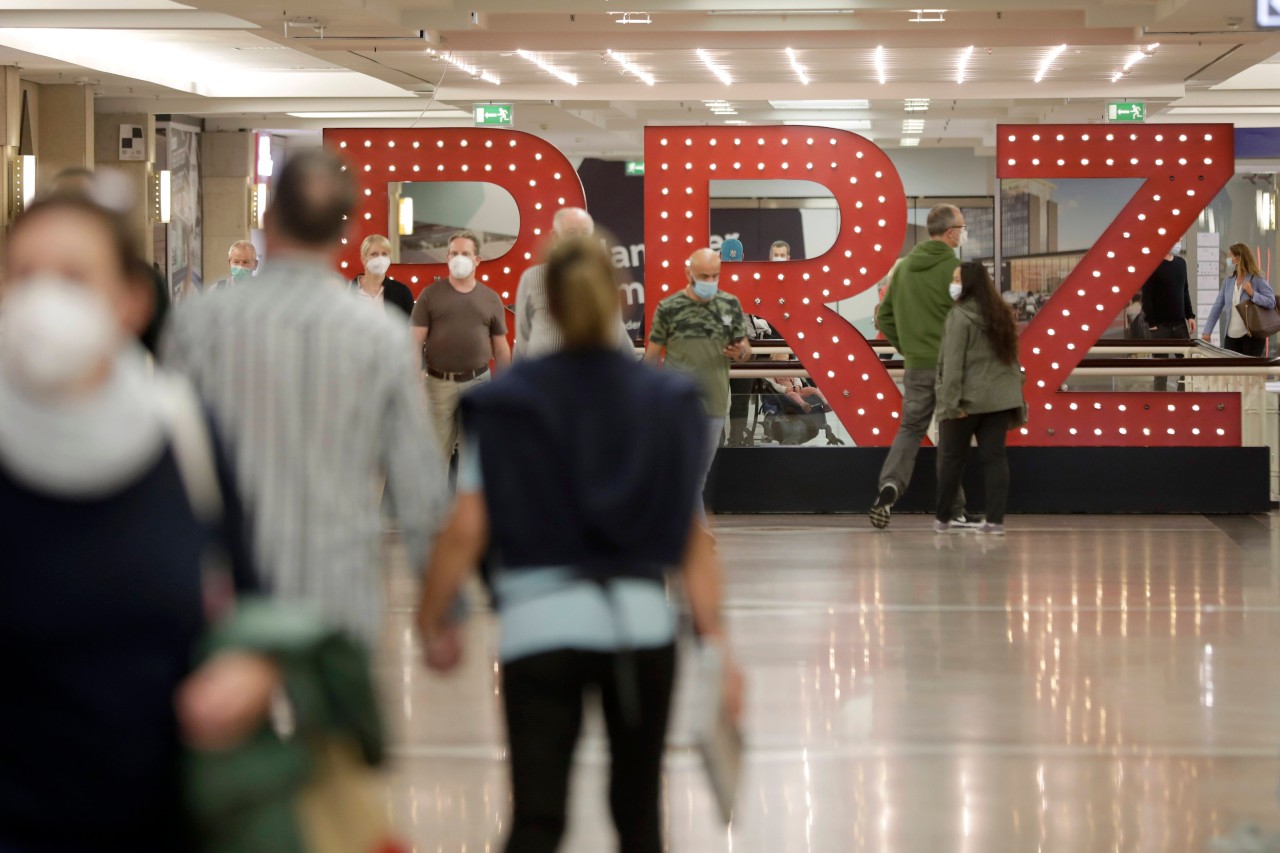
(22, 183)
(406, 216)
(162, 196)
(259, 203)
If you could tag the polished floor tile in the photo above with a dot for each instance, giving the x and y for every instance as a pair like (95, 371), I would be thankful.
(1081, 684)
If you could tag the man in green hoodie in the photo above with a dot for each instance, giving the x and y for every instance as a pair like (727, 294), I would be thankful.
(911, 316)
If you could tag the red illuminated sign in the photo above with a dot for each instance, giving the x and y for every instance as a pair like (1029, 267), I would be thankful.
(1185, 166)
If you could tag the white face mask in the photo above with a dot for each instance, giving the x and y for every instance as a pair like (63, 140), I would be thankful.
(954, 290)
(1177, 248)
(776, 258)
(378, 265)
(54, 334)
(706, 289)
(461, 267)
(964, 238)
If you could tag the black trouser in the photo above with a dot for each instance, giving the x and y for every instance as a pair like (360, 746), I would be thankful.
(1247, 345)
(543, 699)
(953, 448)
(739, 398)
(1171, 331)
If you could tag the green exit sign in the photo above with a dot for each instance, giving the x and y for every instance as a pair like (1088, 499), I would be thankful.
(1126, 111)
(635, 168)
(495, 115)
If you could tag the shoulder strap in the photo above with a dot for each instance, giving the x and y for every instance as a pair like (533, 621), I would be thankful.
(193, 451)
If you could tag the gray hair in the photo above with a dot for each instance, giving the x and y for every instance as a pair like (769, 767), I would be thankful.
(557, 221)
(243, 244)
(942, 218)
(780, 244)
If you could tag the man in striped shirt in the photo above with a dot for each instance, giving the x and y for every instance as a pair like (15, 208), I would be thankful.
(536, 331)
(318, 396)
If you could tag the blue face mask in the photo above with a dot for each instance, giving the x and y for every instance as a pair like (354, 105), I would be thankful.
(706, 289)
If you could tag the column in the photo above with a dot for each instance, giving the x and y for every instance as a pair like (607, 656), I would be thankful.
(226, 180)
(138, 172)
(65, 131)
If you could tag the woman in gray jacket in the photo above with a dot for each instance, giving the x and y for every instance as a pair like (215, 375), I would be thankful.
(979, 392)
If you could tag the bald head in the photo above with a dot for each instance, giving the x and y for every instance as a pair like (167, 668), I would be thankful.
(572, 222)
(704, 265)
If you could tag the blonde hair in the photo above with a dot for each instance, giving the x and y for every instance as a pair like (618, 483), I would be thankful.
(582, 293)
(371, 241)
(1248, 265)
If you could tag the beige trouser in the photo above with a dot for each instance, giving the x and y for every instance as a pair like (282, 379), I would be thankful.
(443, 395)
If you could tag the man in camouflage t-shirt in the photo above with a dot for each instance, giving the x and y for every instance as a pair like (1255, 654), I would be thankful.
(700, 330)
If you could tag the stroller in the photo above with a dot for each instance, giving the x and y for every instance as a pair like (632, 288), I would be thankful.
(788, 424)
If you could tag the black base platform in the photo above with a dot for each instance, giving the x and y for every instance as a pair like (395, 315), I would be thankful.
(1217, 480)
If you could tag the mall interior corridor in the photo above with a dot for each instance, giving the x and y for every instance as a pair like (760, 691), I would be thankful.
(1084, 683)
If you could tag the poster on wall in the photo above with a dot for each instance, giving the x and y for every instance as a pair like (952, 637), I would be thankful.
(185, 255)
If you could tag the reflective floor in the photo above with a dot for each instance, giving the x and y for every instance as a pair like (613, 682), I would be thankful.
(1086, 683)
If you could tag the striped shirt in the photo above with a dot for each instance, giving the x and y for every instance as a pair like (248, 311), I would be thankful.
(536, 331)
(319, 396)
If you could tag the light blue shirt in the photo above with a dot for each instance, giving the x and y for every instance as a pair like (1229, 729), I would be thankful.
(547, 609)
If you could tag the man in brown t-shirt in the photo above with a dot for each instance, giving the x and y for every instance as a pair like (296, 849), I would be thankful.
(463, 325)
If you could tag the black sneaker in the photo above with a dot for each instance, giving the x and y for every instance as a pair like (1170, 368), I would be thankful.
(879, 512)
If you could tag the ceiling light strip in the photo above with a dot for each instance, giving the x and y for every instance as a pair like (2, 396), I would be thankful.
(715, 69)
(631, 68)
(560, 73)
(797, 67)
(964, 63)
(1048, 61)
(880, 68)
(467, 67)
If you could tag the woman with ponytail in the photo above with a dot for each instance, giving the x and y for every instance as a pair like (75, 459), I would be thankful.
(579, 476)
(979, 392)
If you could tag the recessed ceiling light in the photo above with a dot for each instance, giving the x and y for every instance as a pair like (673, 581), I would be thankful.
(837, 124)
(1048, 61)
(715, 69)
(560, 73)
(387, 114)
(916, 105)
(632, 69)
(797, 67)
(964, 63)
(854, 104)
(880, 69)
(466, 67)
(909, 141)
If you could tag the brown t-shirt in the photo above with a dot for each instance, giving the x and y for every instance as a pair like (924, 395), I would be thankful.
(459, 326)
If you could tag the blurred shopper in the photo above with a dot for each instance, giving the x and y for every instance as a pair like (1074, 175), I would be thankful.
(915, 306)
(1166, 305)
(242, 260)
(536, 332)
(373, 284)
(979, 393)
(318, 404)
(697, 332)
(614, 473)
(1244, 284)
(113, 192)
(463, 326)
(101, 587)
(780, 251)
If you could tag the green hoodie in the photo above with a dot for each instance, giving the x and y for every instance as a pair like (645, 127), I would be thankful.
(917, 301)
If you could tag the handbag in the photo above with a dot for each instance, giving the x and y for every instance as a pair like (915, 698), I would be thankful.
(1261, 322)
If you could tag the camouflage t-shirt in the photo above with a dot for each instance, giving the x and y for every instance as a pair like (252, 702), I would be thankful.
(695, 335)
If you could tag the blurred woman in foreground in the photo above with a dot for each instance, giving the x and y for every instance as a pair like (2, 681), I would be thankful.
(102, 595)
(581, 471)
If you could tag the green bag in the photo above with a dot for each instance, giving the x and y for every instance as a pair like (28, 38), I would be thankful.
(300, 791)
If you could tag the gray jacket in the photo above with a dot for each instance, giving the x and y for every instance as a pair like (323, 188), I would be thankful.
(970, 377)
